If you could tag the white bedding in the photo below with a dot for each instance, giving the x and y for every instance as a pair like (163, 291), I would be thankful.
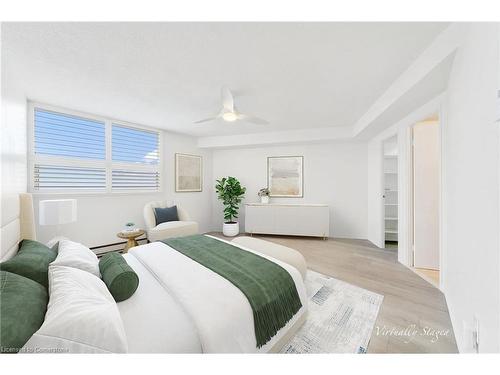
(154, 322)
(181, 306)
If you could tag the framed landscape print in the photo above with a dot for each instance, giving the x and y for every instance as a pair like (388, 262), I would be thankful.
(285, 176)
(188, 173)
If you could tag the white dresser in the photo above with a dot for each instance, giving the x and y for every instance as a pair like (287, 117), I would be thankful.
(288, 219)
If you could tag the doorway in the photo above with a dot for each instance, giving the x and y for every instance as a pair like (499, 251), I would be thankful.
(390, 179)
(426, 199)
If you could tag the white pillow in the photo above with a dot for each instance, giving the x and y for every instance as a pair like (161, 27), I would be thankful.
(76, 255)
(55, 240)
(82, 316)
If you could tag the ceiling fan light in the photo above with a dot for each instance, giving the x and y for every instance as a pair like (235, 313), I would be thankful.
(230, 116)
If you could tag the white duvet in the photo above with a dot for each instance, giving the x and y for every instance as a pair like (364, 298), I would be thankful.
(183, 307)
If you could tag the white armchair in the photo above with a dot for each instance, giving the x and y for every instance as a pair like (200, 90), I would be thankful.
(183, 227)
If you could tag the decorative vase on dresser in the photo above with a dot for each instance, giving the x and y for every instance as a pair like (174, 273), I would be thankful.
(264, 195)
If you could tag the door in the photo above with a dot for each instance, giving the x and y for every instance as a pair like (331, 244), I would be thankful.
(426, 194)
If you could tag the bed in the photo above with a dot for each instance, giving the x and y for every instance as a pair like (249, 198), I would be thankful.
(181, 306)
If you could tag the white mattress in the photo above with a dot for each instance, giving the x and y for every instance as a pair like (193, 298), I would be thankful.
(182, 306)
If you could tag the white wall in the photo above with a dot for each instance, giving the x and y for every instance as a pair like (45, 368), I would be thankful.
(334, 174)
(100, 217)
(198, 204)
(470, 246)
(391, 146)
(471, 188)
(13, 142)
(13, 161)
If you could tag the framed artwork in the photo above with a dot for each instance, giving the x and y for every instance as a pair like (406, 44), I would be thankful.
(285, 176)
(188, 173)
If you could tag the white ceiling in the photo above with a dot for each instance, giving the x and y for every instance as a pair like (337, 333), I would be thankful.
(431, 85)
(166, 75)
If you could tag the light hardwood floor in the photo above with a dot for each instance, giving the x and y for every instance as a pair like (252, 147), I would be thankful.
(411, 305)
(431, 276)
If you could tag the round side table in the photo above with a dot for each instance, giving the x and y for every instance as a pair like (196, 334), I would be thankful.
(131, 238)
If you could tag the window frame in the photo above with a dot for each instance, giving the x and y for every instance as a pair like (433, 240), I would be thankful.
(107, 163)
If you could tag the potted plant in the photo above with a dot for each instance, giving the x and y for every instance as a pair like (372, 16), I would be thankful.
(264, 195)
(230, 192)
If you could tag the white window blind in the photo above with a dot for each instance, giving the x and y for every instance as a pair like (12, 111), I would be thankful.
(68, 136)
(71, 178)
(135, 145)
(135, 180)
(78, 153)
(138, 149)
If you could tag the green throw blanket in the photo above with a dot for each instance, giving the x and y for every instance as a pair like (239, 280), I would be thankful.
(269, 288)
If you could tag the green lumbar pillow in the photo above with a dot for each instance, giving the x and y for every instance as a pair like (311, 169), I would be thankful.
(118, 276)
(23, 303)
(32, 261)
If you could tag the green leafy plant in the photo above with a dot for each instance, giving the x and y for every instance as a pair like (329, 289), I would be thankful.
(230, 192)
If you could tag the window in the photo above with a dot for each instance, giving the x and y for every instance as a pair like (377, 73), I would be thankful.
(73, 152)
(134, 147)
(53, 177)
(62, 135)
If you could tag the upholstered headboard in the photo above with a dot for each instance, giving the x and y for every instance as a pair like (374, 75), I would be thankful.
(18, 222)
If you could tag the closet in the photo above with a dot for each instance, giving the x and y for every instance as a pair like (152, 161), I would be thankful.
(391, 192)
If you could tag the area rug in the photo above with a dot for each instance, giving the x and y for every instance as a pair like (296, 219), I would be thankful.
(340, 319)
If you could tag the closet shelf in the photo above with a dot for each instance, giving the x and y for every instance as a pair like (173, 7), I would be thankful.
(391, 231)
(391, 218)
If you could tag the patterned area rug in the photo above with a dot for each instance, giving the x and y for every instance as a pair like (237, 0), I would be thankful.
(340, 319)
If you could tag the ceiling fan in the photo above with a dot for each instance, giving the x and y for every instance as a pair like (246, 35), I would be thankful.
(229, 113)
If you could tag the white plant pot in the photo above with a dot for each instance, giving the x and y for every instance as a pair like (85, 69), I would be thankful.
(264, 199)
(230, 229)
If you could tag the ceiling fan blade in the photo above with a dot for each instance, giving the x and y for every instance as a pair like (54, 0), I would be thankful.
(206, 120)
(227, 99)
(252, 119)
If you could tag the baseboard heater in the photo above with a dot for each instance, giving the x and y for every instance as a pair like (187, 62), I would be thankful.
(115, 247)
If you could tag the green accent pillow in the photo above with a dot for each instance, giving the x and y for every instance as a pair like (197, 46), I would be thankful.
(23, 303)
(32, 261)
(119, 277)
